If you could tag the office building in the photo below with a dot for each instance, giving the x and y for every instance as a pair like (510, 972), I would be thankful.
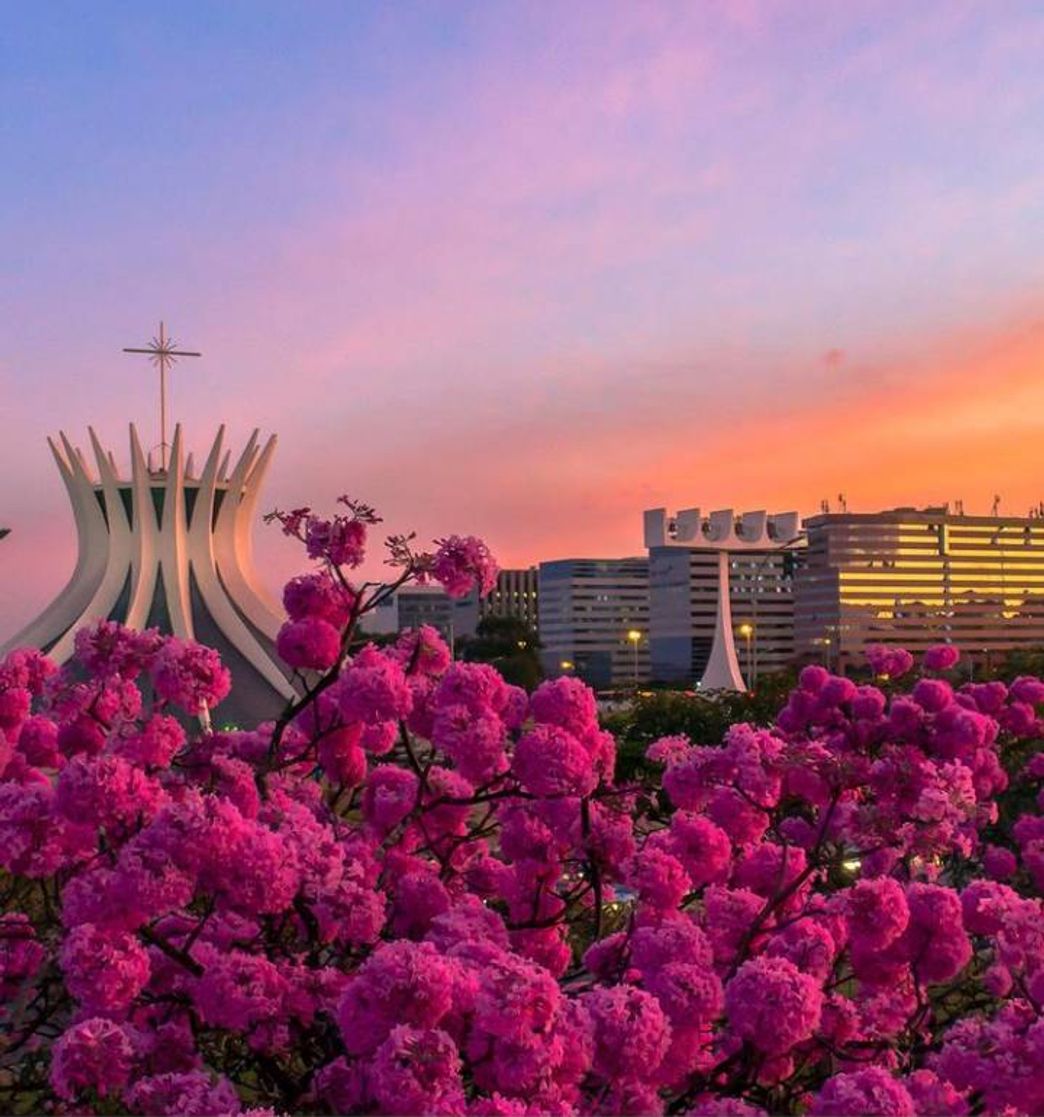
(721, 603)
(917, 577)
(594, 619)
(411, 607)
(683, 612)
(515, 595)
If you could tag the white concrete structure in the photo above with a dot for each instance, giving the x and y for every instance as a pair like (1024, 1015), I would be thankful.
(726, 535)
(169, 549)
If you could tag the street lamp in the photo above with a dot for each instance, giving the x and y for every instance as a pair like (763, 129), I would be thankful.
(746, 630)
(566, 665)
(636, 638)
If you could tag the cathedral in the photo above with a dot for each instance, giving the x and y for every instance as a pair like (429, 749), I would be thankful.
(171, 548)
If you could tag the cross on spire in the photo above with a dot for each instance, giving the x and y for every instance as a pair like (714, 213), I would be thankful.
(162, 352)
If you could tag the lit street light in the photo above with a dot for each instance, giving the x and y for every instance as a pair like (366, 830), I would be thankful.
(636, 638)
(746, 630)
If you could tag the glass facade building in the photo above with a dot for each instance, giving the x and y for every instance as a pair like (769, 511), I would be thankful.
(587, 610)
(917, 577)
(683, 604)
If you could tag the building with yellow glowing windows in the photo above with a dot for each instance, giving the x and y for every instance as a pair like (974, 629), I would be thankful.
(917, 577)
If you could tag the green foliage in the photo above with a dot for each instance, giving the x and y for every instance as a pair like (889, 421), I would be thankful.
(510, 645)
(1021, 661)
(704, 719)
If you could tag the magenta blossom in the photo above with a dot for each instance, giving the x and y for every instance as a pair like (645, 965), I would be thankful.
(941, 657)
(94, 1054)
(888, 662)
(462, 564)
(419, 889)
(190, 676)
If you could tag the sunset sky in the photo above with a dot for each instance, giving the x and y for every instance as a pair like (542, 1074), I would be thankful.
(525, 269)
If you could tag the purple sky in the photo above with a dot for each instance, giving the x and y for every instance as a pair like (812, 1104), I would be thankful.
(525, 269)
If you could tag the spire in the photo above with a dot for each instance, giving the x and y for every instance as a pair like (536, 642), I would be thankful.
(163, 352)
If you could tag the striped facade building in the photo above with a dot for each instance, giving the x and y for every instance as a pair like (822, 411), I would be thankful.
(917, 577)
(411, 607)
(515, 595)
(683, 609)
(594, 619)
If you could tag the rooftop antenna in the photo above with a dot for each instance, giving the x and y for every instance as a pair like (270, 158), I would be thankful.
(824, 506)
(162, 352)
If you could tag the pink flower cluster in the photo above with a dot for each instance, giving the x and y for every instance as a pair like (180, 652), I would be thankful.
(425, 891)
(462, 564)
(335, 541)
(889, 662)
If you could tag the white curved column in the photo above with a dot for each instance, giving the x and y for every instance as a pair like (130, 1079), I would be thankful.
(723, 670)
(91, 559)
(233, 543)
(146, 528)
(201, 551)
(117, 551)
(172, 543)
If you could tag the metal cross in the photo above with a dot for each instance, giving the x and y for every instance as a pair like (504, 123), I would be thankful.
(161, 352)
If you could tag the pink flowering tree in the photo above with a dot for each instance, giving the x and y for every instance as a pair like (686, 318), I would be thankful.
(420, 890)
